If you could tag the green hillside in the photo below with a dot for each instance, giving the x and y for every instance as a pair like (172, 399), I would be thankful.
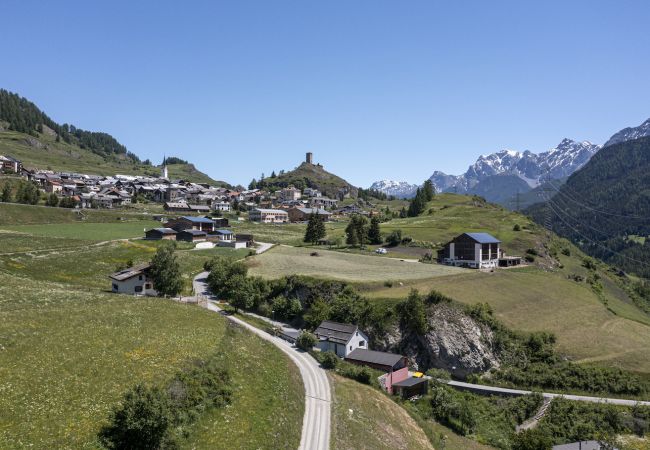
(312, 176)
(28, 134)
(605, 207)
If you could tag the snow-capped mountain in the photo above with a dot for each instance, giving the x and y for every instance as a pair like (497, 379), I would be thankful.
(492, 175)
(400, 189)
(558, 162)
(630, 133)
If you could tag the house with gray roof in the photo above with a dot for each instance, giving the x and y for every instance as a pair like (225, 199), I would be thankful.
(340, 338)
(133, 280)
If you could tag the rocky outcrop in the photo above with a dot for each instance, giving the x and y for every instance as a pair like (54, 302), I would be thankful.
(454, 342)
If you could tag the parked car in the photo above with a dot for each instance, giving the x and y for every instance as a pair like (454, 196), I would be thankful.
(381, 251)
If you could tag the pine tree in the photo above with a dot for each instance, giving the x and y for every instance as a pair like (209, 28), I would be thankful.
(357, 231)
(374, 233)
(315, 229)
(429, 190)
(166, 272)
(52, 200)
(403, 213)
(273, 174)
(418, 204)
(6, 193)
(252, 184)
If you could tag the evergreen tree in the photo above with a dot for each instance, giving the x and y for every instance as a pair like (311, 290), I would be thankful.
(374, 233)
(52, 200)
(403, 213)
(315, 229)
(6, 193)
(252, 184)
(27, 193)
(418, 204)
(273, 174)
(357, 231)
(429, 190)
(166, 272)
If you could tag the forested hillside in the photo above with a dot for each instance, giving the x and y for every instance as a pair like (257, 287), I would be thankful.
(30, 135)
(605, 207)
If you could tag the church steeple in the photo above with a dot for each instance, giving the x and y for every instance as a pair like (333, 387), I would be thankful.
(164, 173)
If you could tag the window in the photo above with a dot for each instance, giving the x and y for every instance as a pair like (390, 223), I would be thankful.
(115, 287)
(140, 278)
(350, 347)
(362, 343)
(147, 286)
(138, 289)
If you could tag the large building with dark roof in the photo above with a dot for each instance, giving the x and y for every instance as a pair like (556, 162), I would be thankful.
(473, 250)
(340, 338)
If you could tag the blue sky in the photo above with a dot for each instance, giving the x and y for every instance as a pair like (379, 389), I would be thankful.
(376, 89)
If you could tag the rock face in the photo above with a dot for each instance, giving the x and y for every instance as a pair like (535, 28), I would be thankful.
(455, 342)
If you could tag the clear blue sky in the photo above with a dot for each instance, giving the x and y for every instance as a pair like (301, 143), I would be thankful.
(376, 89)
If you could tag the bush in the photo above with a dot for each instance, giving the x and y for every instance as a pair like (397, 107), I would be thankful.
(306, 341)
(358, 373)
(329, 360)
(529, 258)
(394, 238)
(516, 227)
(566, 251)
(439, 374)
(141, 421)
(532, 251)
(388, 283)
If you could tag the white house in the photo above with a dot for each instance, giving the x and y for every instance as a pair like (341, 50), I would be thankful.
(268, 215)
(341, 338)
(133, 280)
(220, 206)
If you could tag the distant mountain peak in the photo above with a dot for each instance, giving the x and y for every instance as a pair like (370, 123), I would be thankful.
(630, 133)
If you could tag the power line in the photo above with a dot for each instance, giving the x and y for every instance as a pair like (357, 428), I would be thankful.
(564, 187)
(595, 242)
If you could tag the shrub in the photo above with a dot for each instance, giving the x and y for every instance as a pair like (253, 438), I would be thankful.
(306, 341)
(530, 258)
(394, 238)
(439, 374)
(516, 227)
(329, 360)
(388, 283)
(141, 421)
(566, 251)
(532, 251)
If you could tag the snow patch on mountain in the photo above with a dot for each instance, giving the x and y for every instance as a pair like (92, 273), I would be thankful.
(399, 189)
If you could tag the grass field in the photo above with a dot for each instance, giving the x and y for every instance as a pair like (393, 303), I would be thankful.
(67, 356)
(365, 419)
(12, 214)
(533, 300)
(283, 260)
(88, 231)
(80, 264)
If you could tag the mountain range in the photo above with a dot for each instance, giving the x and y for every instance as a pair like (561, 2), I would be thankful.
(500, 176)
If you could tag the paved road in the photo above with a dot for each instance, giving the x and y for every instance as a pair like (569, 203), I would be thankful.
(316, 421)
(581, 398)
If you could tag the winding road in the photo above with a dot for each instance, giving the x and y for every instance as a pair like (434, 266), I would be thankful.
(316, 422)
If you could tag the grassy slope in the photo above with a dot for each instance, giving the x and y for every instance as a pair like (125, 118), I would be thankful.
(70, 158)
(325, 181)
(14, 214)
(283, 260)
(68, 350)
(363, 418)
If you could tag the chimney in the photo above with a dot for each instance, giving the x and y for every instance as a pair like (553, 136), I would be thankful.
(310, 158)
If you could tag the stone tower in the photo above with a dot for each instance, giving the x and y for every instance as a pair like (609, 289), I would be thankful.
(310, 158)
(163, 172)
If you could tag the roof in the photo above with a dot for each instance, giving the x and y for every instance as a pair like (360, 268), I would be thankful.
(374, 357)
(314, 211)
(164, 230)
(483, 238)
(263, 210)
(197, 219)
(336, 332)
(195, 232)
(224, 232)
(199, 207)
(582, 445)
(411, 381)
(130, 272)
